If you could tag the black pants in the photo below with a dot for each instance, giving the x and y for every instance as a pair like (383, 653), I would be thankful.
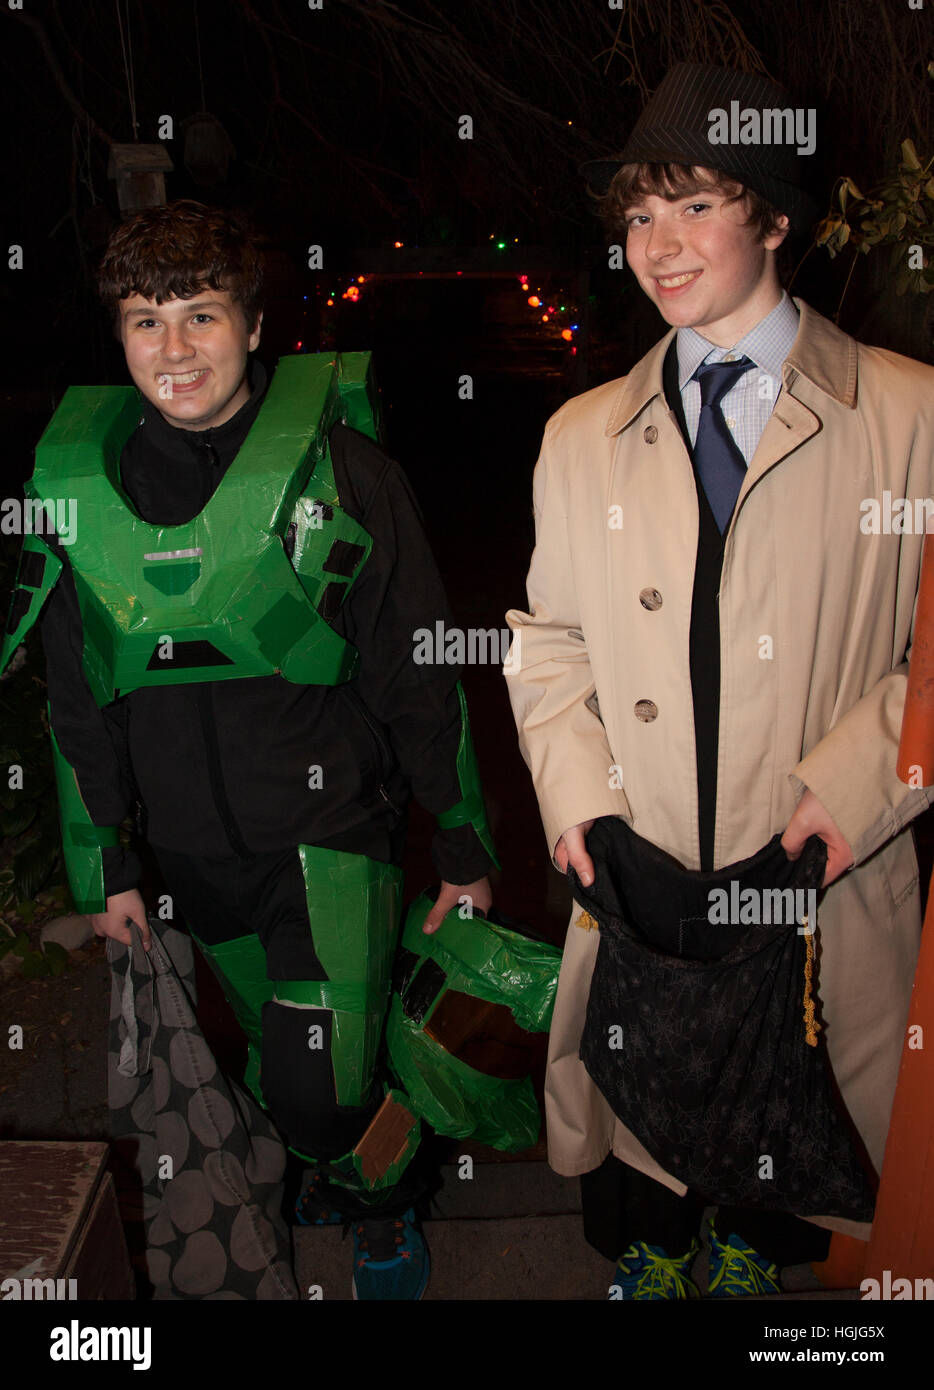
(622, 1205)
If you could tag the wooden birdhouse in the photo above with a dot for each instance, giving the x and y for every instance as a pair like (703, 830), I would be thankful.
(140, 174)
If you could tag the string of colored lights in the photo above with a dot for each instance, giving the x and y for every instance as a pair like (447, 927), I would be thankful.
(554, 314)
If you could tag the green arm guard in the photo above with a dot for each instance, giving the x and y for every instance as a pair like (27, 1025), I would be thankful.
(82, 840)
(470, 809)
(39, 569)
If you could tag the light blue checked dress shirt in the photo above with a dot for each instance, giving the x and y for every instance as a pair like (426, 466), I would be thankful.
(746, 406)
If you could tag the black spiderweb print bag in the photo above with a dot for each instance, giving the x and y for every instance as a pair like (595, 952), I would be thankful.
(701, 1031)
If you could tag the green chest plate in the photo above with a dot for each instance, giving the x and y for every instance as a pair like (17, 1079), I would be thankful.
(246, 588)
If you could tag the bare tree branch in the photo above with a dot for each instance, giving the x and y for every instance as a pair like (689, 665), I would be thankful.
(42, 38)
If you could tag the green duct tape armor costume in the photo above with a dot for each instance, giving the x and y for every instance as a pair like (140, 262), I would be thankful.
(218, 598)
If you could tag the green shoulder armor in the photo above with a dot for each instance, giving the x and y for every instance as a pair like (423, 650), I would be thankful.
(218, 598)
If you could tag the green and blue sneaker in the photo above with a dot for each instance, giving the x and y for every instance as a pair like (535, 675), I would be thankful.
(738, 1271)
(390, 1258)
(647, 1272)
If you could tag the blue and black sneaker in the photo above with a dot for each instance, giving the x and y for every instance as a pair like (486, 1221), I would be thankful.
(311, 1208)
(739, 1271)
(390, 1258)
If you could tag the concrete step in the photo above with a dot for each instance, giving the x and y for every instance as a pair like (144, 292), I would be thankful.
(507, 1259)
(540, 1257)
(506, 1231)
(484, 1191)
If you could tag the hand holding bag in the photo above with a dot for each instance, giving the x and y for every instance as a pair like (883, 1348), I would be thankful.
(199, 1165)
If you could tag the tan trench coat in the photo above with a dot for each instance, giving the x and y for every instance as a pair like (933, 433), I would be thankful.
(815, 620)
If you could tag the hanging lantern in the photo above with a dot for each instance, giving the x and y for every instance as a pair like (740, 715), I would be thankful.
(140, 174)
(208, 150)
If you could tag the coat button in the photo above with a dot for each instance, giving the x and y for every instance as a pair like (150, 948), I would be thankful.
(650, 599)
(646, 710)
(650, 434)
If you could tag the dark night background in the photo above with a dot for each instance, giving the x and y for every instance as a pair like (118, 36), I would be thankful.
(343, 124)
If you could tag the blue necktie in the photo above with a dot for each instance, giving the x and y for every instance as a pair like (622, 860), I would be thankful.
(720, 464)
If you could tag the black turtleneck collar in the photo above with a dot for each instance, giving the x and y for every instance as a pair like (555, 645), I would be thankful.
(171, 473)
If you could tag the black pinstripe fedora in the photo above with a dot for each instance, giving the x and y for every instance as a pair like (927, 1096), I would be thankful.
(740, 123)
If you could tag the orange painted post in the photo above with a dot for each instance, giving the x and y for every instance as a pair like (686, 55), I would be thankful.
(902, 1240)
(845, 1263)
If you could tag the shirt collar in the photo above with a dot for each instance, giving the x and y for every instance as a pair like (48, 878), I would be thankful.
(226, 439)
(767, 344)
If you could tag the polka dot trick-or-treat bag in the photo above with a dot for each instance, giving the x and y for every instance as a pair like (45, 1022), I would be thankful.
(199, 1167)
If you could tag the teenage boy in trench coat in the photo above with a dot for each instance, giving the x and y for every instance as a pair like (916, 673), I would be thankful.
(717, 685)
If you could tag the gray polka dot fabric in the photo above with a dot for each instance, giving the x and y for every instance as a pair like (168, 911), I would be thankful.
(198, 1164)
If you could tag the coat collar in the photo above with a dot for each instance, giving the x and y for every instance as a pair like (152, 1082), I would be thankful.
(821, 352)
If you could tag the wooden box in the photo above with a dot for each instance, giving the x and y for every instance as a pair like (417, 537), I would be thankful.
(60, 1230)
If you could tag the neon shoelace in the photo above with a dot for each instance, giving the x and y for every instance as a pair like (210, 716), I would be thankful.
(661, 1274)
(740, 1271)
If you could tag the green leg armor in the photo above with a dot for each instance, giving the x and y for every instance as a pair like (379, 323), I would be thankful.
(354, 910)
(240, 966)
(379, 1158)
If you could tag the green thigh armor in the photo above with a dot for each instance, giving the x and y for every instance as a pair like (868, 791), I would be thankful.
(354, 905)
